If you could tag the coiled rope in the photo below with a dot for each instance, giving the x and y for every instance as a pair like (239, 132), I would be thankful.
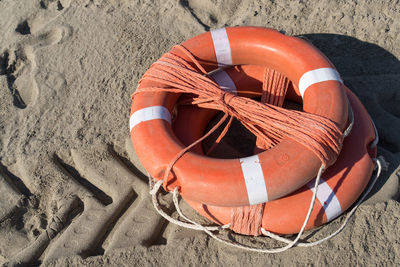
(173, 73)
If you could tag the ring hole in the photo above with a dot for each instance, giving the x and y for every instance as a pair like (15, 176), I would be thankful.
(238, 142)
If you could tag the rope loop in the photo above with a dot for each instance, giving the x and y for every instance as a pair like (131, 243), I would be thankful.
(190, 224)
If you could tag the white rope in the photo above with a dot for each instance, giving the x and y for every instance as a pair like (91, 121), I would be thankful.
(154, 189)
(261, 250)
(376, 140)
(196, 226)
(349, 215)
(351, 121)
(289, 243)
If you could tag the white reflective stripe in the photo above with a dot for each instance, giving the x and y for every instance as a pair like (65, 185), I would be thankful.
(222, 47)
(316, 76)
(327, 198)
(224, 81)
(149, 113)
(254, 179)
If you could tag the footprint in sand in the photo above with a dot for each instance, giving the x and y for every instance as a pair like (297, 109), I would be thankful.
(207, 12)
(18, 63)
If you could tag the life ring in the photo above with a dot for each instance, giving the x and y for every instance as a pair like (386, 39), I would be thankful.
(251, 180)
(339, 188)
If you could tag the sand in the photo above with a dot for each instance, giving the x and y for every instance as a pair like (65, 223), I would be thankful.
(71, 189)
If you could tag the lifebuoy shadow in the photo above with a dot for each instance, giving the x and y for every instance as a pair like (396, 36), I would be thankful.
(373, 74)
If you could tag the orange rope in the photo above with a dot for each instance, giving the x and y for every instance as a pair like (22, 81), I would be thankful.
(223, 133)
(267, 122)
(248, 219)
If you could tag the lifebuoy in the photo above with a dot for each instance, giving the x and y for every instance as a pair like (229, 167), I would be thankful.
(339, 188)
(251, 180)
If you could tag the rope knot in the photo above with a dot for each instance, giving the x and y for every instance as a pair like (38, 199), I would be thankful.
(226, 99)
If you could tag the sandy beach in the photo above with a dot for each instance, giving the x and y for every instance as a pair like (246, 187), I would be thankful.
(72, 190)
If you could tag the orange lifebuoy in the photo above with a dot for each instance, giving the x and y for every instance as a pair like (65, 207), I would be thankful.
(250, 180)
(339, 188)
